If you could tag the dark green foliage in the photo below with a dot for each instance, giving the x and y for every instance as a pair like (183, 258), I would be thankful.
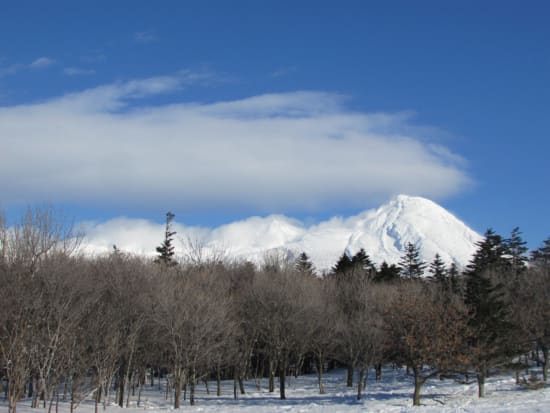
(491, 254)
(411, 266)
(166, 249)
(437, 269)
(517, 251)
(541, 256)
(343, 265)
(387, 273)
(363, 264)
(485, 298)
(304, 265)
(358, 266)
(454, 279)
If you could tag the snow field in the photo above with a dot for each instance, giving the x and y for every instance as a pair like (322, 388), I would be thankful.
(392, 394)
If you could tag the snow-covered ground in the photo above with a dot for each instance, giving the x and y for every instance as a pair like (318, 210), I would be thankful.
(392, 394)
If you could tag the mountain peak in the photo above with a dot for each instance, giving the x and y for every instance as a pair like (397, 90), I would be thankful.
(382, 232)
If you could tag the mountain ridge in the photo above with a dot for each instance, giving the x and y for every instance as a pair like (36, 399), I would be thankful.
(383, 232)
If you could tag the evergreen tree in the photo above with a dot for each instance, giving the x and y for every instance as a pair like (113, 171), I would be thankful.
(343, 267)
(517, 251)
(487, 308)
(454, 280)
(541, 256)
(363, 264)
(437, 270)
(304, 265)
(166, 249)
(411, 266)
(491, 254)
(387, 273)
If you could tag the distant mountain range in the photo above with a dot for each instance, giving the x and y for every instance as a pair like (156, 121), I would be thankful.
(383, 233)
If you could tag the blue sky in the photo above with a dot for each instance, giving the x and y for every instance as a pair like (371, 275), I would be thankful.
(219, 110)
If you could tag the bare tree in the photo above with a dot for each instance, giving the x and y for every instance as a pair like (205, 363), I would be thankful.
(427, 332)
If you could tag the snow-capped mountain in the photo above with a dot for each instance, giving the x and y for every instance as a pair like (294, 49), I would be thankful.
(383, 233)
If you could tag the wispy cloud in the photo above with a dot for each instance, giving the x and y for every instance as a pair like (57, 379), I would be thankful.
(146, 36)
(14, 68)
(10, 69)
(77, 71)
(283, 71)
(93, 58)
(42, 62)
(276, 152)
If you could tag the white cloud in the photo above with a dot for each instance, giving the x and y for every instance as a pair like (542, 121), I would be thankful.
(77, 71)
(146, 36)
(13, 69)
(10, 69)
(278, 152)
(42, 62)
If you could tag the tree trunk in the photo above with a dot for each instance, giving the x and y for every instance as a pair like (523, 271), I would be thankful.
(545, 363)
(481, 383)
(360, 383)
(271, 376)
(177, 394)
(235, 383)
(139, 395)
(12, 405)
(218, 381)
(282, 377)
(418, 382)
(241, 384)
(192, 391)
(378, 369)
(320, 360)
(350, 376)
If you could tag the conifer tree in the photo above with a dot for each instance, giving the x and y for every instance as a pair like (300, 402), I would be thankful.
(304, 265)
(411, 266)
(454, 280)
(343, 267)
(166, 249)
(363, 264)
(487, 310)
(437, 269)
(541, 256)
(387, 273)
(517, 251)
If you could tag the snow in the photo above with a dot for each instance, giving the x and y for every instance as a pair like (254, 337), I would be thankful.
(392, 394)
(382, 232)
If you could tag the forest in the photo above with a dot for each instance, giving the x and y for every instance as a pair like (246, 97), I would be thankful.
(73, 325)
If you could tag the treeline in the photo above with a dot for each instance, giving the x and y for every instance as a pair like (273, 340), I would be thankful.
(73, 325)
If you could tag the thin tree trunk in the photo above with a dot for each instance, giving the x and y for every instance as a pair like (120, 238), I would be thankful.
(139, 395)
(235, 383)
(282, 377)
(192, 391)
(51, 400)
(241, 384)
(271, 376)
(177, 393)
(360, 383)
(350, 376)
(545, 363)
(418, 382)
(218, 381)
(481, 383)
(320, 360)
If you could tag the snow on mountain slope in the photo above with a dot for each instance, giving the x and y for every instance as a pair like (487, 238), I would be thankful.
(386, 231)
(382, 232)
